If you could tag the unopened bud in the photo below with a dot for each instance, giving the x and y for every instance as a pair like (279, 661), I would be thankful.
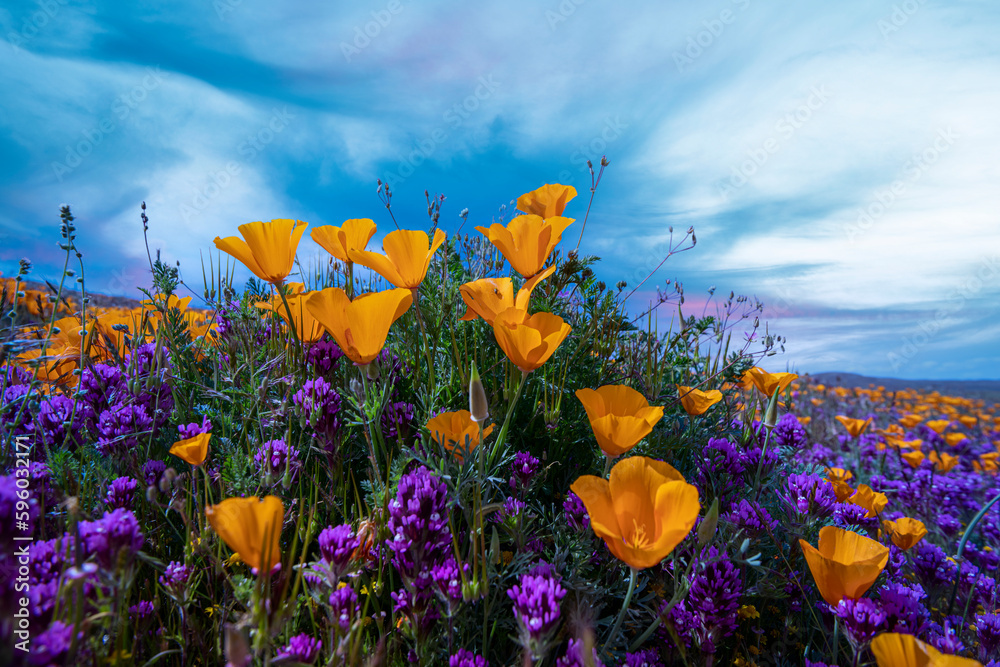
(358, 390)
(706, 530)
(478, 405)
(372, 371)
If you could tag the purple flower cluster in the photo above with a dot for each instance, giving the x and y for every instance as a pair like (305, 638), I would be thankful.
(323, 356)
(810, 494)
(523, 470)
(647, 658)
(509, 512)
(113, 538)
(788, 432)
(272, 458)
(121, 493)
(336, 548)
(120, 427)
(190, 430)
(574, 655)
(862, 619)
(463, 658)
(150, 375)
(418, 525)
(397, 419)
(708, 613)
(448, 584)
(576, 512)
(152, 470)
(536, 607)
(320, 403)
(58, 421)
(175, 577)
(101, 386)
(988, 635)
(750, 517)
(344, 607)
(301, 649)
(904, 611)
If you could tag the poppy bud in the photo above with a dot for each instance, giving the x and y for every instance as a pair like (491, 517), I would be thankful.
(358, 390)
(478, 405)
(372, 371)
(706, 530)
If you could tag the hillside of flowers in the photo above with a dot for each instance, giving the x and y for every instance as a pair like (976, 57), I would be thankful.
(464, 450)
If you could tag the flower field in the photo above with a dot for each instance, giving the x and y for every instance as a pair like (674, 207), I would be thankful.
(462, 450)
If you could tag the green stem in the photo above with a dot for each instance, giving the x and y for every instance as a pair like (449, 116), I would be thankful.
(506, 422)
(621, 615)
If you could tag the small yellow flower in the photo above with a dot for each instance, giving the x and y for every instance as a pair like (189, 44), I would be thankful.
(748, 611)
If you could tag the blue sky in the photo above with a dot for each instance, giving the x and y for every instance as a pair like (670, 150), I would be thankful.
(837, 160)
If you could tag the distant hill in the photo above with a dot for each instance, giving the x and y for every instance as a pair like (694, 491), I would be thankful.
(985, 389)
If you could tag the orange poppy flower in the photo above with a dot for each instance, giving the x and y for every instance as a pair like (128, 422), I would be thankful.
(269, 248)
(488, 297)
(308, 328)
(968, 421)
(845, 565)
(619, 415)
(938, 425)
(407, 256)
(871, 500)
(854, 426)
(547, 201)
(354, 234)
(893, 649)
(527, 240)
(768, 383)
(643, 512)
(954, 438)
(360, 327)
(696, 401)
(914, 458)
(193, 450)
(251, 528)
(804, 420)
(529, 341)
(839, 475)
(842, 490)
(943, 462)
(905, 532)
(453, 429)
(909, 421)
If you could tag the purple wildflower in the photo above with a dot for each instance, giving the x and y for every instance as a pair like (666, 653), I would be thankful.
(344, 605)
(320, 403)
(271, 459)
(810, 494)
(574, 655)
(121, 493)
(175, 577)
(750, 517)
(152, 471)
(324, 355)
(301, 649)
(463, 658)
(862, 619)
(397, 419)
(708, 612)
(646, 658)
(336, 547)
(536, 608)
(111, 537)
(576, 512)
(904, 611)
(52, 646)
(120, 428)
(194, 428)
(418, 525)
(523, 470)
